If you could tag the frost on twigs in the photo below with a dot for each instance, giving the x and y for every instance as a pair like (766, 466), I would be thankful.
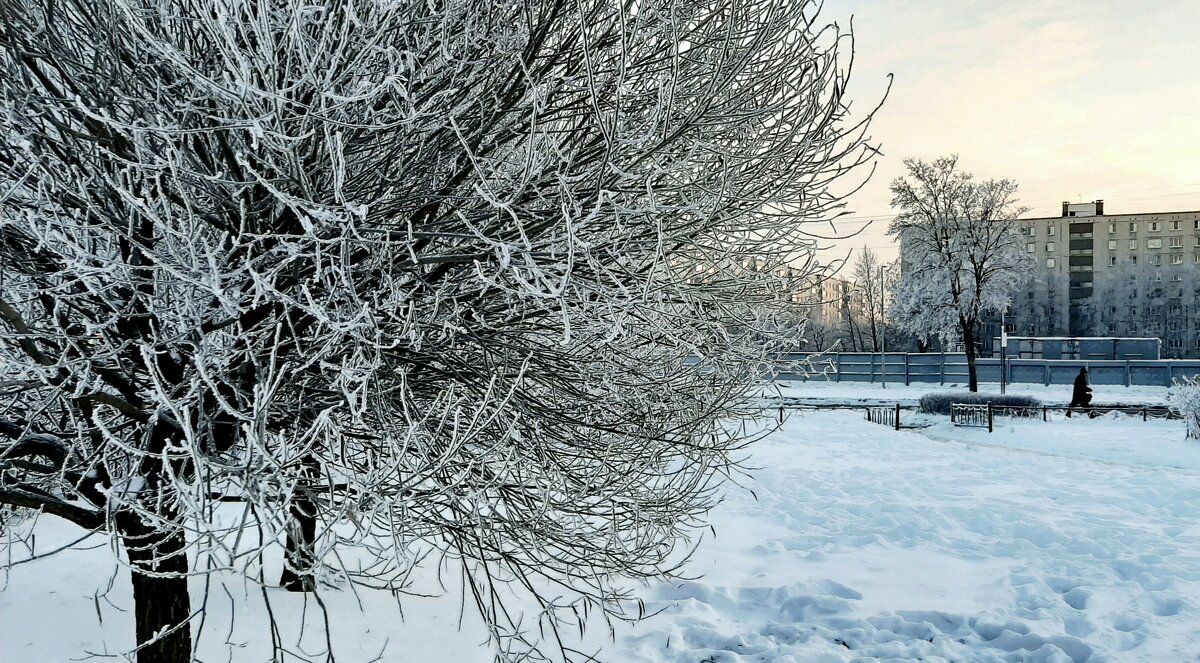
(378, 278)
(1184, 400)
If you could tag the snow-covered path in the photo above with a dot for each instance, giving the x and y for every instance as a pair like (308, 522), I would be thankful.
(865, 542)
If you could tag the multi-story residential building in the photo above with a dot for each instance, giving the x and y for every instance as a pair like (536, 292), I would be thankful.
(1113, 274)
(830, 298)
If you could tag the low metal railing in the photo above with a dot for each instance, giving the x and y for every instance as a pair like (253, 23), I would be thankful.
(983, 416)
(978, 416)
(888, 416)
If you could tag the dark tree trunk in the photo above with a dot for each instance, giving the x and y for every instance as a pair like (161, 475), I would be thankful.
(968, 334)
(302, 534)
(160, 604)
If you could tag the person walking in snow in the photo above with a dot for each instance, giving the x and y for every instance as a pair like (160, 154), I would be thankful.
(1081, 395)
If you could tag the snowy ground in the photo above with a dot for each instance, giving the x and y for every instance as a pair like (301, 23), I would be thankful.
(860, 393)
(1064, 541)
(866, 543)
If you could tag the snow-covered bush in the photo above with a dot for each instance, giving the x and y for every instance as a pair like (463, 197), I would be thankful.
(1184, 399)
(940, 402)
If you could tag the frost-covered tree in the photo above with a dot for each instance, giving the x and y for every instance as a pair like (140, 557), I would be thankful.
(1184, 399)
(399, 278)
(961, 255)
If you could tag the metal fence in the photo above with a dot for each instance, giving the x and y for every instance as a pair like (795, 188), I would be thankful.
(978, 416)
(951, 368)
(888, 416)
(983, 416)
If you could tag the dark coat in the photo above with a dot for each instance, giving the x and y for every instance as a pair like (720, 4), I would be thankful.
(1082, 394)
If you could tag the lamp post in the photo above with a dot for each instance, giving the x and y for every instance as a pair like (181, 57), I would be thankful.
(882, 329)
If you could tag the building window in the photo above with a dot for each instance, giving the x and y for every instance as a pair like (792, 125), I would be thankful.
(1112, 260)
(1177, 278)
(1049, 247)
(1081, 268)
(1081, 235)
(1133, 228)
(1175, 225)
(1156, 259)
(1132, 244)
(1050, 231)
(1176, 258)
(1112, 245)
(1029, 247)
(1132, 261)
(1049, 265)
(1176, 242)
(1155, 243)
(1154, 226)
(1112, 228)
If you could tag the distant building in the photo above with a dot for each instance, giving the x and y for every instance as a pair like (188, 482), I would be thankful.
(830, 298)
(1109, 275)
(1113, 274)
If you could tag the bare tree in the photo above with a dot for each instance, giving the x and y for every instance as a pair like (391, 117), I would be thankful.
(399, 277)
(873, 287)
(960, 252)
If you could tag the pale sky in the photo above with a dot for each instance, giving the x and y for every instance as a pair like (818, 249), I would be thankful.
(1074, 99)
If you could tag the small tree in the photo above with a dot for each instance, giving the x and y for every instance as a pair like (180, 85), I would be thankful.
(399, 277)
(1184, 399)
(961, 255)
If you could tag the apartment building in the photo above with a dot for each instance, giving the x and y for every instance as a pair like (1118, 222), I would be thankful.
(1113, 274)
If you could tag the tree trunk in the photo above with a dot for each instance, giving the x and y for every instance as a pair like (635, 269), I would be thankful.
(160, 604)
(302, 534)
(968, 334)
(874, 330)
(299, 560)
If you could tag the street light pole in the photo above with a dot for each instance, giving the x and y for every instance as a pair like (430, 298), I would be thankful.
(882, 329)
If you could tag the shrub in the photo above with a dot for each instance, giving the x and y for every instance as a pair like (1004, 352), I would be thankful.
(1184, 400)
(940, 402)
